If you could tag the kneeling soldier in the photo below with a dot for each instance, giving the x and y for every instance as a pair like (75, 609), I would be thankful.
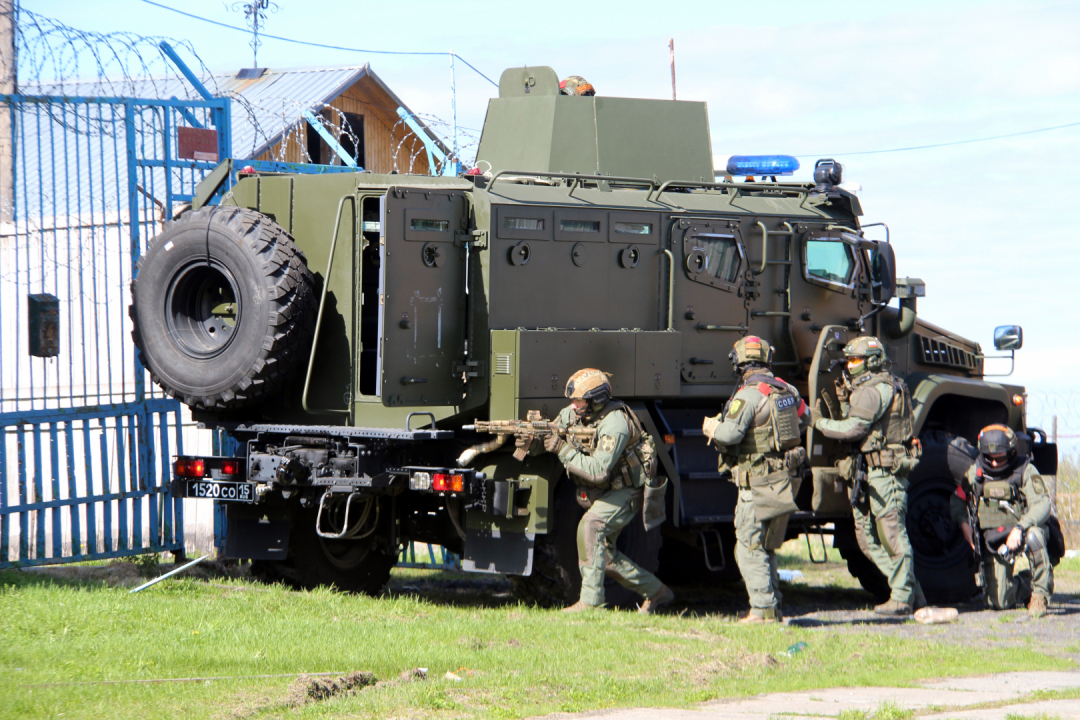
(758, 435)
(611, 480)
(1008, 497)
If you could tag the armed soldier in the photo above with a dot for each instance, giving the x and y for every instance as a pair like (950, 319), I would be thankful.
(878, 423)
(1008, 498)
(758, 434)
(611, 478)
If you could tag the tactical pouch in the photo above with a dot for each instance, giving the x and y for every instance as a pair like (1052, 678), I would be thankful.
(586, 496)
(653, 509)
(845, 468)
(773, 495)
(830, 493)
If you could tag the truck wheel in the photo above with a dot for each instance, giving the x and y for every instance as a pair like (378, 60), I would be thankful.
(222, 308)
(944, 562)
(360, 566)
(555, 580)
(861, 567)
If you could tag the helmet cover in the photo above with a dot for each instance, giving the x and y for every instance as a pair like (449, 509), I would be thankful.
(589, 384)
(751, 349)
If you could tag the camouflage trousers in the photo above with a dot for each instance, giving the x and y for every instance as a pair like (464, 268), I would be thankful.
(597, 554)
(1002, 586)
(881, 528)
(756, 564)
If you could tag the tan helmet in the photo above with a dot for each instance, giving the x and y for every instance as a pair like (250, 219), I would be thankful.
(751, 349)
(576, 85)
(589, 384)
(870, 349)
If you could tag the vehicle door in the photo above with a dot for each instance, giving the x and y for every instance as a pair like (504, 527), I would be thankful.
(826, 368)
(422, 320)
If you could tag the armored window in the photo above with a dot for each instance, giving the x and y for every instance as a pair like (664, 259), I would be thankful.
(716, 256)
(580, 226)
(423, 225)
(830, 261)
(522, 223)
(633, 228)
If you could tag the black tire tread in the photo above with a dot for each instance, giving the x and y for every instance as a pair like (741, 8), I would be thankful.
(288, 283)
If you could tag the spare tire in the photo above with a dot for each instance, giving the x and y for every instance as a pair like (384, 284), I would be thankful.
(222, 308)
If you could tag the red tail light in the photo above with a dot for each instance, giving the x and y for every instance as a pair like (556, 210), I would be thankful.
(230, 467)
(189, 468)
(444, 482)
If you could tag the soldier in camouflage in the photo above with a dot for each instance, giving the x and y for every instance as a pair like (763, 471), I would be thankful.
(611, 478)
(1005, 492)
(877, 421)
(758, 436)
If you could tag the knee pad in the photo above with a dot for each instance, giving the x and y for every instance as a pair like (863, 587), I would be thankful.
(1035, 548)
(888, 527)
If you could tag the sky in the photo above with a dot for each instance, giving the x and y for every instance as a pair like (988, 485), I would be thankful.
(987, 225)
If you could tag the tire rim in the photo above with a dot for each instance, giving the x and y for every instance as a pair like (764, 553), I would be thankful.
(936, 540)
(202, 309)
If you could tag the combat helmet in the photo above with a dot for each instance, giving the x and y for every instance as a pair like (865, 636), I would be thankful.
(576, 85)
(589, 384)
(867, 348)
(998, 439)
(751, 350)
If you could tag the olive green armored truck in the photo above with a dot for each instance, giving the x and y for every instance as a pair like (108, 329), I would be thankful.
(348, 330)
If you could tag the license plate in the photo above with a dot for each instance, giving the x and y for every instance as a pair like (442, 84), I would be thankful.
(240, 492)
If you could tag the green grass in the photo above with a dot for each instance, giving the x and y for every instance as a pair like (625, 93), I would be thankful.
(513, 661)
(886, 711)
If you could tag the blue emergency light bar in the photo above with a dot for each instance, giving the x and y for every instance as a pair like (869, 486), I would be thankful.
(762, 165)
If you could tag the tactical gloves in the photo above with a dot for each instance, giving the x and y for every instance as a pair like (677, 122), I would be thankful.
(523, 442)
(709, 427)
(843, 390)
(553, 443)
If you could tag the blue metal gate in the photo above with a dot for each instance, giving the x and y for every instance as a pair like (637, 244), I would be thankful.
(85, 441)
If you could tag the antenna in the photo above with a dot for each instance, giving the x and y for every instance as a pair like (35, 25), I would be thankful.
(671, 45)
(255, 16)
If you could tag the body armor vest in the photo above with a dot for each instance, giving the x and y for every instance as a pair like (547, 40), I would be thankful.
(778, 432)
(999, 501)
(638, 461)
(896, 425)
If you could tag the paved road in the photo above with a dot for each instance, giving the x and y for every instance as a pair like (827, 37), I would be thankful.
(950, 699)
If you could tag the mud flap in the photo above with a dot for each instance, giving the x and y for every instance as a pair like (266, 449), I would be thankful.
(490, 550)
(256, 537)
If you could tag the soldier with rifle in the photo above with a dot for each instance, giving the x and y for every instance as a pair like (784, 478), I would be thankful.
(758, 435)
(611, 477)
(1003, 508)
(877, 421)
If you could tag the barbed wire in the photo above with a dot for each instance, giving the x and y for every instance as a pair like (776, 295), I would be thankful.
(1043, 407)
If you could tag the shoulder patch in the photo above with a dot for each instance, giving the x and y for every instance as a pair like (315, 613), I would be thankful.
(735, 408)
(607, 443)
(1038, 485)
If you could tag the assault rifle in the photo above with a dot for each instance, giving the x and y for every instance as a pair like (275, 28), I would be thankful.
(532, 428)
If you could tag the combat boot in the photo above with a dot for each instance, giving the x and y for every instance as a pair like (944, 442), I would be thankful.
(894, 608)
(579, 606)
(663, 596)
(1037, 606)
(768, 615)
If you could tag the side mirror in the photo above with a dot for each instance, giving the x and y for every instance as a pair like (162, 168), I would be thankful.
(1009, 337)
(882, 273)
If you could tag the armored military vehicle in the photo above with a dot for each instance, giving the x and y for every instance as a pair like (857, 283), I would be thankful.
(345, 329)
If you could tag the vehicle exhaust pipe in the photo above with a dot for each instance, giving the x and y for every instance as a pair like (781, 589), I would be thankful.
(477, 450)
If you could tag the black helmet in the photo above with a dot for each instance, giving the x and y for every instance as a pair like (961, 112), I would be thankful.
(998, 439)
